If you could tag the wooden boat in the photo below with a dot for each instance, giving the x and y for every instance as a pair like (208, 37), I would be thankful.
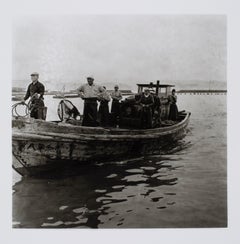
(39, 145)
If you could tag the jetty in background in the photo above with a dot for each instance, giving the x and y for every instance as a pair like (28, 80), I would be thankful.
(202, 92)
(18, 92)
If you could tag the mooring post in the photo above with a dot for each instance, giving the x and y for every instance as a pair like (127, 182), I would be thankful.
(157, 88)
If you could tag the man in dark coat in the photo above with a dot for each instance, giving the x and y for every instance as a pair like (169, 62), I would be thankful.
(156, 111)
(103, 111)
(35, 91)
(116, 98)
(147, 102)
(173, 111)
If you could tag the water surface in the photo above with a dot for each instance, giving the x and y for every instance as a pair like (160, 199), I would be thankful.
(186, 186)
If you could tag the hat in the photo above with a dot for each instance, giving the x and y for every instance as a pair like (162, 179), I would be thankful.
(90, 77)
(116, 86)
(35, 74)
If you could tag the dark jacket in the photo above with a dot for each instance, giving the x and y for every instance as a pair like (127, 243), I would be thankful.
(147, 100)
(35, 88)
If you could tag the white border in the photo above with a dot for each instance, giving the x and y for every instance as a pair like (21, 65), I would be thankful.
(228, 235)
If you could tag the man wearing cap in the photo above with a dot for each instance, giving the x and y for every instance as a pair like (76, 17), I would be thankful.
(103, 111)
(90, 94)
(35, 91)
(146, 102)
(116, 97)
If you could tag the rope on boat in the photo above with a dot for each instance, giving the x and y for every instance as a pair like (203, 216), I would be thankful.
(15, 112)
(28, 108)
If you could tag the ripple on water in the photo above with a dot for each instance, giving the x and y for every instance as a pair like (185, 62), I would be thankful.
(135, 178)
(161, 162)
(100, 191)
(156, 175)
(78, 222)
(118, 186)
(135, 170)
(111, 176)
(63, 207)
(163, 169)
(148, 168)
(156, 199)
(55, 224)
(80, 210)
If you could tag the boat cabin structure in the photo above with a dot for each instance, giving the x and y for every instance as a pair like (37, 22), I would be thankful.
(161, 90)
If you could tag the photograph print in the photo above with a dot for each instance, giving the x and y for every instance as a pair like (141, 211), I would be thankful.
(119, 121)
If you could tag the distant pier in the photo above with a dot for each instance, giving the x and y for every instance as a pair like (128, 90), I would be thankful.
(202, 92)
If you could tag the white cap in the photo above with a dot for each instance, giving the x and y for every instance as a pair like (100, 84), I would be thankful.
(90, 77)
(34, 73)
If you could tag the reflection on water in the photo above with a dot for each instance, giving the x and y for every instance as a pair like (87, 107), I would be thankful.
(184, 187)
(96, 195)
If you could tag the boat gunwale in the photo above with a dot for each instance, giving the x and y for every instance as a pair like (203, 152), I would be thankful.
(152, 133)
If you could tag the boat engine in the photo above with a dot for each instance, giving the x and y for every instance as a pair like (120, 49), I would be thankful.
(130, 115)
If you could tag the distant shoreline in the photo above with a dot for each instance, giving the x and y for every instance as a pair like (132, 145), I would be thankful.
(202, 91)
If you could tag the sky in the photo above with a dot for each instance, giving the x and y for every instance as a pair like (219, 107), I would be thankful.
(124, 49)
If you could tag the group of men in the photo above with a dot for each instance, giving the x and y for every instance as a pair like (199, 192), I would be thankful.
(91, 94)
(149, 104)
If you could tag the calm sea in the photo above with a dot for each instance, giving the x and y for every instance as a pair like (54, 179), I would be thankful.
(184, 187)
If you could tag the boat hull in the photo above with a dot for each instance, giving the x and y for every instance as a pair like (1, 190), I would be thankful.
(40, 146)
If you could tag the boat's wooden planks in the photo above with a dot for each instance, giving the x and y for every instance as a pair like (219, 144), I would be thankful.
(38, 145)
(35, 126)
(36, 151)
(92, 137)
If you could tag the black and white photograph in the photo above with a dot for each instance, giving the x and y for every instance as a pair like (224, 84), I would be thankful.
(119, 121)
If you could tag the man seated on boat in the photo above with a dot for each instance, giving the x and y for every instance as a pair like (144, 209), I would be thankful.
(116, 98)
(35, 91)
(89, 93)
(104, 98)
(147, 103)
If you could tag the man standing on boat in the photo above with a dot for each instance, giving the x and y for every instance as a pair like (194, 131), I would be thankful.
(36, 91)
(147, 103)
(103, 110)
(156, 110)
(173, 111)
(89, 93)
(116, 98)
